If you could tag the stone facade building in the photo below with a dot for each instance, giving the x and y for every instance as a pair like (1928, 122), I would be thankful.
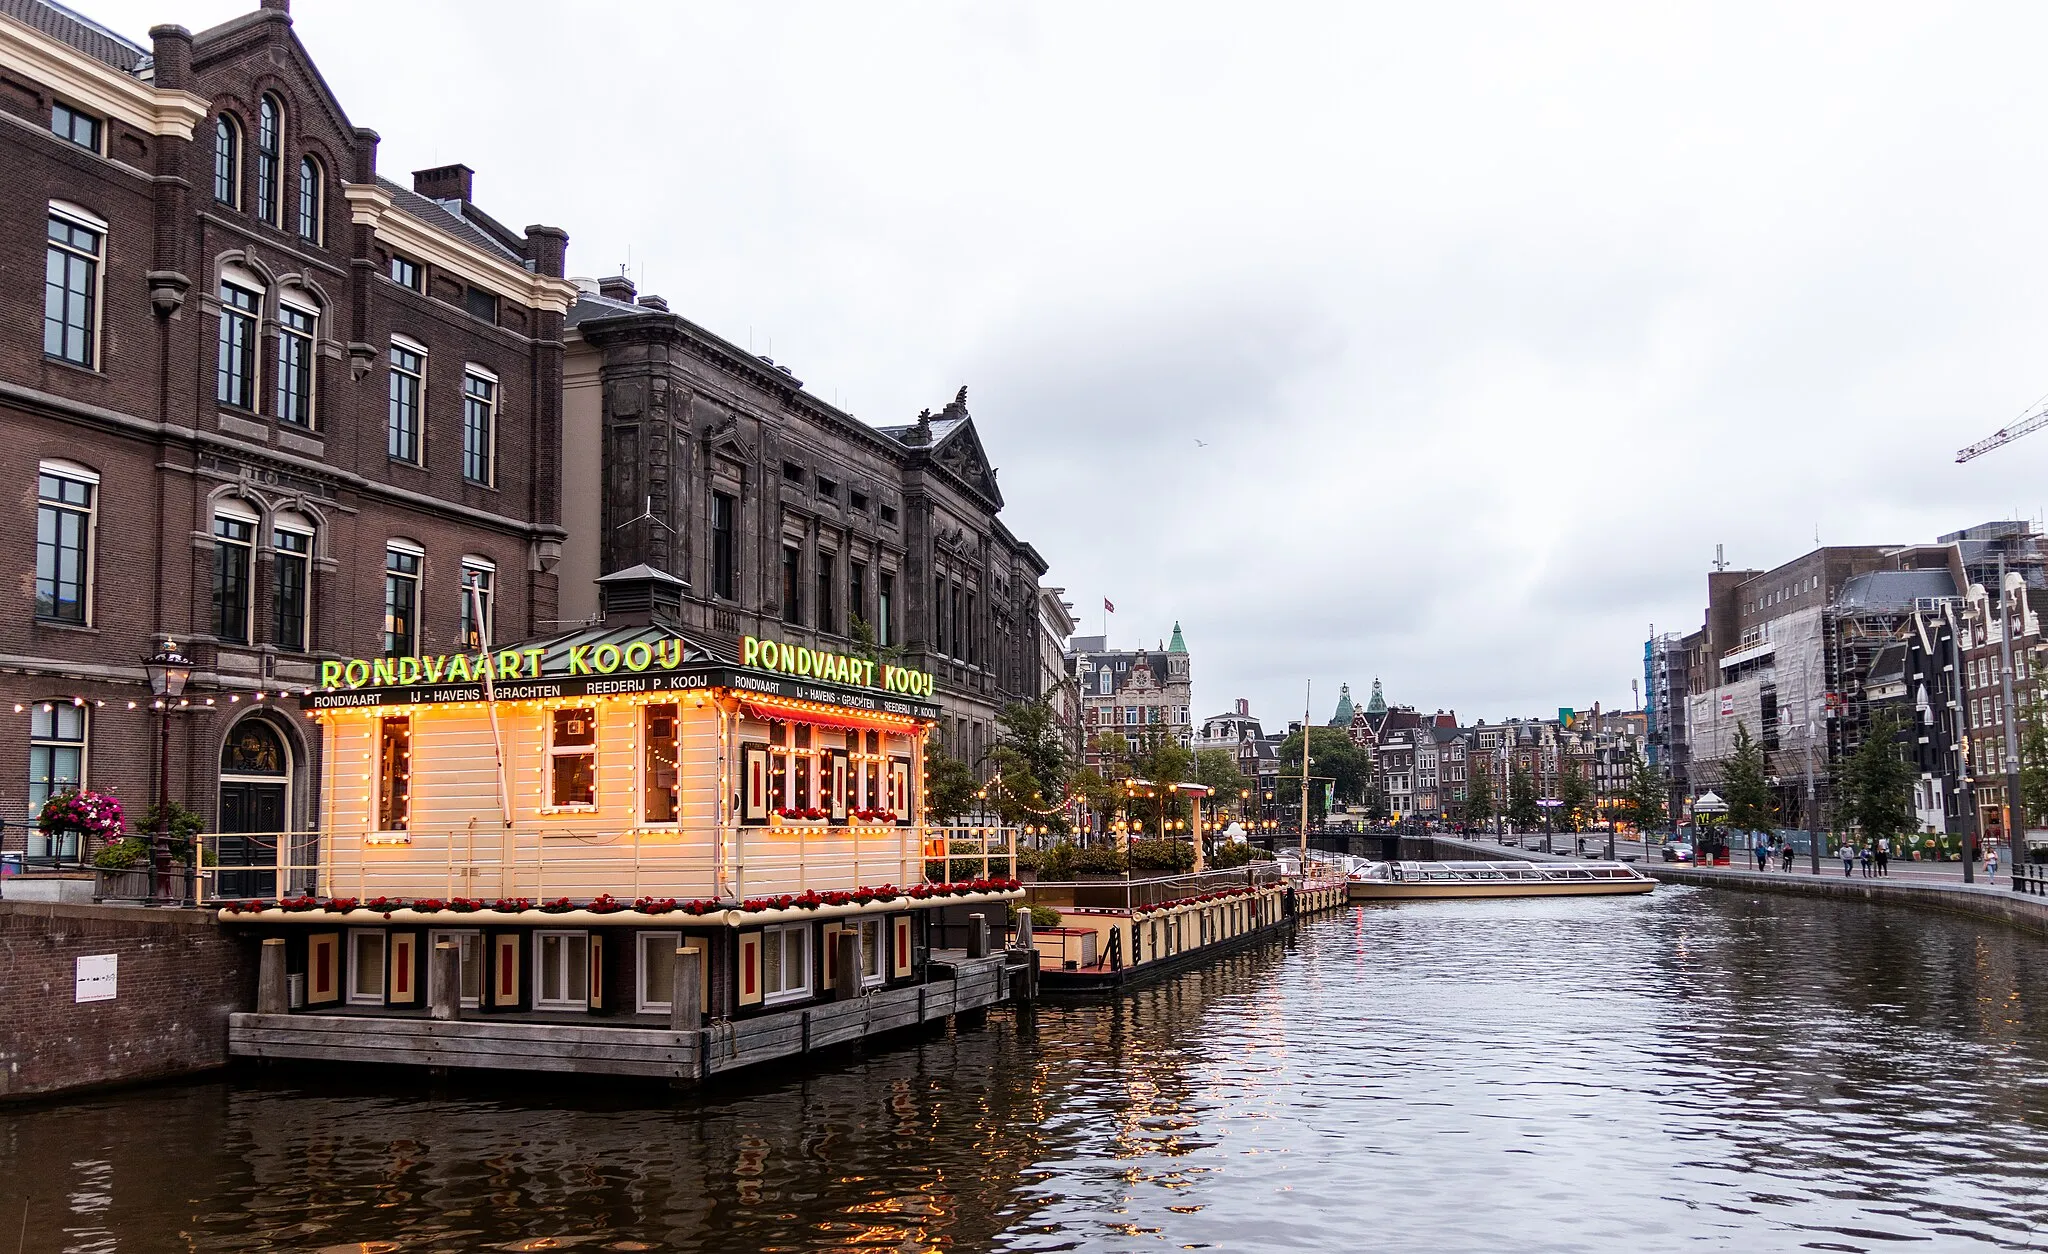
(742, 505)
(258, 401)
(1136, 693)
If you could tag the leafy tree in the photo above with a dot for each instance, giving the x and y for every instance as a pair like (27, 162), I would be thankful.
(1116, 753)
(1575, 794)
(2033, 731)
(1333, 755)
(1478, 806)
(1522, 808)
(1217, 770)
(1746, 786)
(1017, 794)
(1642, 804)
(1032, 731)
(949, 787)
(1880, 784)
(1376, 802)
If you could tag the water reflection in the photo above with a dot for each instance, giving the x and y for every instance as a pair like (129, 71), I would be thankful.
(1748, 1074)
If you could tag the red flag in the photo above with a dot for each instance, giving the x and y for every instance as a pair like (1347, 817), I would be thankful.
(1107, 606)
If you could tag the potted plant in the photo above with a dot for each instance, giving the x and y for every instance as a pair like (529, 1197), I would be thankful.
(95, 818)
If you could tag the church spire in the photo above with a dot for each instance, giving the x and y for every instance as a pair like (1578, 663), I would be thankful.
(1342, 718)
(1378, 703)
(1176, 645)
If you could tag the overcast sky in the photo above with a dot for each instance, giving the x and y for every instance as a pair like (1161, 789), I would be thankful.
(1437, 343)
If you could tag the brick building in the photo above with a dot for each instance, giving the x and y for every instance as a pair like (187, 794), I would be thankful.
(751, 507)
(259, 401)
(1136, 693)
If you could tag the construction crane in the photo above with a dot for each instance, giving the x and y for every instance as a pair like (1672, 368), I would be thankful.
(2036, 418)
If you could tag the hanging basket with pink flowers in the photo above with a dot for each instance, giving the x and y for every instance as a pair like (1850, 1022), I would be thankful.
(95, 815)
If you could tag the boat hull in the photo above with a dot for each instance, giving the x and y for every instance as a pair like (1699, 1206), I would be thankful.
(1436, 890)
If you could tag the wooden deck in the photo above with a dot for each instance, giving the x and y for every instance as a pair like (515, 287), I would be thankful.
(957, 984)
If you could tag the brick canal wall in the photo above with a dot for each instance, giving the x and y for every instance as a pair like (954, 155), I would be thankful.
(177, 976)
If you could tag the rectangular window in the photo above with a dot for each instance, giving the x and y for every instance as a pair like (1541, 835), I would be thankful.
(885, 610)
(407, 273)
(827, 488)
(366, 967)
(785, 962)
(234, 541)
(64, 518)
(562, 970)
(858, 499)
(888, 513)
(290, 551)
(721, 545)
(401, 600)
(470, 945)
(478, 588)
(572, 758)
(56, 764)
(857, 594)
(828, 609)
(82, 129)
(959, 650)
(658, 971)
(408, 380)
(792, 586)
(871, 940)
(792, 473)
(480, 304)
(295, 365)
(972, 652)
(939, 639)
(479, 427)
(394, 774)
(236, 374)
(71, 287)
(660, 766)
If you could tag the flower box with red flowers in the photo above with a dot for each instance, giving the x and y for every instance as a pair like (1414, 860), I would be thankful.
(560, 905)
(792, 816)
(874, 816)
(654, 905)
(512, 905)
(465, 905)
(605, 903)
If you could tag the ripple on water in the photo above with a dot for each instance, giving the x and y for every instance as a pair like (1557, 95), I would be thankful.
(1712, 1070)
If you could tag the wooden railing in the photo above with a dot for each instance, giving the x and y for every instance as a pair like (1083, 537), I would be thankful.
(482, 862)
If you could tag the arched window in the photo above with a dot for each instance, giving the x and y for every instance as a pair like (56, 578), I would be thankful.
(269, 129)
(227, 161)
(253, 748)
(310, 188)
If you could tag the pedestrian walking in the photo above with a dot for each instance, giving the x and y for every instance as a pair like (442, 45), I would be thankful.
(1884, 855)
(1762, 852)
(1863, 859)
(1785, 854)
(1848, 860)
(1991, 865)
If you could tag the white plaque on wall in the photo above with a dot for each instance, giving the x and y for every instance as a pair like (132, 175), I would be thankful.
(95, 980)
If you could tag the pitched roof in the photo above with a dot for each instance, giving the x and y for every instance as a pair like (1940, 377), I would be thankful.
(1893, 591)
(465, 222)
(78, 31)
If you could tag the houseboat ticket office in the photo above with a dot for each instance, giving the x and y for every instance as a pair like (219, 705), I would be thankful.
(569, 827)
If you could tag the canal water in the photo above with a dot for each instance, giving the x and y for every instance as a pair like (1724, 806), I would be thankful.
(1698, 1068)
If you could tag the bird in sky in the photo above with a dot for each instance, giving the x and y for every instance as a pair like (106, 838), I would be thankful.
(1201, 444)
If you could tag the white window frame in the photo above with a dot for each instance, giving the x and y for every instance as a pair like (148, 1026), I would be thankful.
(66, 843)
(356, 995)
(306, 307)
(293, 525)
(471, 372)
(77, 474)
(476, 564)
(400, 343)
(85, 219)
(471, 942)
(247, 284)
(576, 940)
(874, 937)
(640, 749)
(782, 931)
(235, 511)
(416, 575)
(557, 752)
(643, 1001)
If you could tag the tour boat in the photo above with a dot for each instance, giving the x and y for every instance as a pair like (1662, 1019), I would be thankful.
(1404, 881)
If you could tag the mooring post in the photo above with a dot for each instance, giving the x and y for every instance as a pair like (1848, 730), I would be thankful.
(271, 998)
(444, 982)
(977, 936)
(686, 994)
(1027, 987)
(846, 975)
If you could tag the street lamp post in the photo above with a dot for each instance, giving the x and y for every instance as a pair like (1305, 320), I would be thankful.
(168, 670)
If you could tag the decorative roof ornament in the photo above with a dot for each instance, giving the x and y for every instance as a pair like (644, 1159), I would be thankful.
(1342, 718)
(1177, 644)
(1377, 704)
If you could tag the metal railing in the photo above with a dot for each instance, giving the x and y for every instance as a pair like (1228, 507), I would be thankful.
(482, 862)
(1141, 894)
(2031, 878)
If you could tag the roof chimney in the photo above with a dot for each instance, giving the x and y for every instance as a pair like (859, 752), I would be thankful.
(616, 287)
(444, 182)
